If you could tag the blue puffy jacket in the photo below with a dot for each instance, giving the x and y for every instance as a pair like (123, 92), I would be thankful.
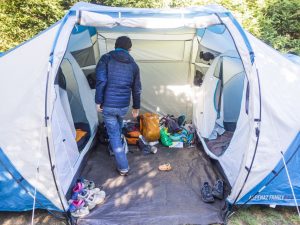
(117, 77)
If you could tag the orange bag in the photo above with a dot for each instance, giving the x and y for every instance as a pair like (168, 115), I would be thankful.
(132, 141)
(132, 137)
(149, 126)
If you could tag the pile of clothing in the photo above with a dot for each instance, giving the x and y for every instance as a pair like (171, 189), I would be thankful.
(149, 129)
(175, 132)
(85, 196)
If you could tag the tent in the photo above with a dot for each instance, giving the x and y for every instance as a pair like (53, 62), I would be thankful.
(241, 95)
(293, 57)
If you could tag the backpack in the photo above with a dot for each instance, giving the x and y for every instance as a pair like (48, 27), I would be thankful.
(149, 126)
(132, 137)
(102, 134)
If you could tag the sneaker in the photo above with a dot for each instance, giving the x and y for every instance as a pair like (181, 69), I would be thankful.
(145, 146)
(218, 190)
(92, 199)
(123, 173)
(77, 189)
(78, 208)
(206, 193)
(153, 149)
(87, 184)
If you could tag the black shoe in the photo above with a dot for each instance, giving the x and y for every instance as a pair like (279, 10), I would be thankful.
(218, 190)
(206, 193)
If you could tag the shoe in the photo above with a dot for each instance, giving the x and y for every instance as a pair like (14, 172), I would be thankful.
(218, 190)
(123, 173)
(165, 167)
(78, 208)
(145, 146)
(77, 189)
(206, 193)
(93, 199)
(153, 150)
(87, 184)
(82, 187)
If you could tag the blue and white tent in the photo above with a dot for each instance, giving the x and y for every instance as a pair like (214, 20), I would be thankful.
(247, 92)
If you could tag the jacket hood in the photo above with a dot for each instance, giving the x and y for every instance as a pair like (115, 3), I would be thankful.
(121, 56)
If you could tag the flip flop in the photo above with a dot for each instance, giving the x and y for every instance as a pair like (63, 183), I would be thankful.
(165, 167)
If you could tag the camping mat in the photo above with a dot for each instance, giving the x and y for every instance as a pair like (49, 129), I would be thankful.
(219, 145)
(149, 196)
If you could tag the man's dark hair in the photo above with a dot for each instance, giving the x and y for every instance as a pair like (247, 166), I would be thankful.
(123, 42)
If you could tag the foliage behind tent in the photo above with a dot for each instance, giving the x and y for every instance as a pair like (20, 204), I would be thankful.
(277, 22)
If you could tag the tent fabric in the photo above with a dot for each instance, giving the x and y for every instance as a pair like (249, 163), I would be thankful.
(66, 151)
(103, 20)
(204, 108)
(279, 82)
(37, 130)
(166, 76)
(23, 137)
(216, 41)
(275, 187)
(149, 196)
(14, 196)
(294, 58)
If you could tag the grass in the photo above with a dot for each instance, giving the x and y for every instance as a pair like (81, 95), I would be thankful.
(252, 215)
(263, 215)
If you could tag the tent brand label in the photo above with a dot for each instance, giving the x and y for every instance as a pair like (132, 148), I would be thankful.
(271, 197)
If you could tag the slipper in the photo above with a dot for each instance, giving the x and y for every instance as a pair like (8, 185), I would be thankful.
(165, 167)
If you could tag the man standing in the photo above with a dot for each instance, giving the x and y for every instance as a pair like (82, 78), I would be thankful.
(117, 77)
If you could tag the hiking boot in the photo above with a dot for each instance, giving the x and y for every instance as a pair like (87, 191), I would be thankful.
(206, 193)
(218, 190)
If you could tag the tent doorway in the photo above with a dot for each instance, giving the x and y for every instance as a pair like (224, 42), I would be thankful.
(175, 66)
(72, 104)
(227, 101)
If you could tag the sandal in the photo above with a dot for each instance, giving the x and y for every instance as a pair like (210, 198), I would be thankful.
(165, 167)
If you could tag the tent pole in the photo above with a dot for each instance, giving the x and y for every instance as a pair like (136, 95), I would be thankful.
(33, 206)
(290, 182)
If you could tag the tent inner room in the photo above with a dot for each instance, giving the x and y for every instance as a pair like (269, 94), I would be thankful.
(197, 73)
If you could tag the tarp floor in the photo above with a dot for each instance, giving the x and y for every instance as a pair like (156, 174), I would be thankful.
(150, 196)
(220, 144)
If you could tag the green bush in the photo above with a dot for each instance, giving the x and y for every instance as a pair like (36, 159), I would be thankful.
(280, 24)
(20, 20)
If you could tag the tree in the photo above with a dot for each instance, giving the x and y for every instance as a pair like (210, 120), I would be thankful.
(277, 22)
(20, 20)
(280, 24)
